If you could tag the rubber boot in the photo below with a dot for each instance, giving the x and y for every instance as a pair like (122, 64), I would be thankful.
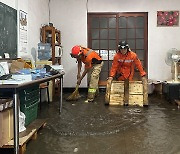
(97, 92)
(91, 96)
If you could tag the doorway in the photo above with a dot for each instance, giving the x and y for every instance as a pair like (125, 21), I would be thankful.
(106, 30)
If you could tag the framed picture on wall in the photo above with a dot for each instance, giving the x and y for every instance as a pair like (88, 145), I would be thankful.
(167, 18)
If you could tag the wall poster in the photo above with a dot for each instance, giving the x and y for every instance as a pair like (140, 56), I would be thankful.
(167, 18)
(23, 33)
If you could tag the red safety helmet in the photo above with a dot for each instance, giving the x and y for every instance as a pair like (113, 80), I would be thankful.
(75, 51)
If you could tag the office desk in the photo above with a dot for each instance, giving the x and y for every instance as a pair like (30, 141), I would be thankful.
(15, 88)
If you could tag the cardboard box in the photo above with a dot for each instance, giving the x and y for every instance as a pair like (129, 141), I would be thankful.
(6, 126)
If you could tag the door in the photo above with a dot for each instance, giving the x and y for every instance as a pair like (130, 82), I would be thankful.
(106, 30)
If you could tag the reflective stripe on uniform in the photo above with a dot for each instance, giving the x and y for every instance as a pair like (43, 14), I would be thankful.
(88, 52)
(92, 90)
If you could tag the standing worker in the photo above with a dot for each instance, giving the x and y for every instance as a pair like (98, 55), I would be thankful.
(93, 64)
(123, 64)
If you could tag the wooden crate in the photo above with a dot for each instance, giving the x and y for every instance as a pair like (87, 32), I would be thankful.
(116, 99)
(24, 137)
(135, 87)
(127, 93)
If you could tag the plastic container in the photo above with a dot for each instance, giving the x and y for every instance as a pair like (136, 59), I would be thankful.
(29, 96)
(29, 100)
(30, 112)
(44, 51)
(22, 118)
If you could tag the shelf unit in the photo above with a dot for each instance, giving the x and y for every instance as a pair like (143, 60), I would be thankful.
(50, 34)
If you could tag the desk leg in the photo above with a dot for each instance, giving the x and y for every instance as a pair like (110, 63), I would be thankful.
(16, 123)
(61, 92)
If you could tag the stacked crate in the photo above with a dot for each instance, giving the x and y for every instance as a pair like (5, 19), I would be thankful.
(127, 93)
(29, 100)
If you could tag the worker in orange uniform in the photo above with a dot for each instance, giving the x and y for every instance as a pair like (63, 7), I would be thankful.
(123, 64)
(93, 64)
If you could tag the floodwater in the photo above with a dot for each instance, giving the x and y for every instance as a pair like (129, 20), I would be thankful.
(93, 128)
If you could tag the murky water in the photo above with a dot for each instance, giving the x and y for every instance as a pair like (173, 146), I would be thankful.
(93, 128)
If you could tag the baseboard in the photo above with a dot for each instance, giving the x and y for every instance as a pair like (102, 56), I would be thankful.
(69, 89)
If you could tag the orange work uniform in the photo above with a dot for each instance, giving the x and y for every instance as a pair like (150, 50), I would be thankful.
(123, 65)
(93, 62)
(88, 56)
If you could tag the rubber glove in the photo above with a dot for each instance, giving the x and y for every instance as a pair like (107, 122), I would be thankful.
(109, 80)
(144, 79)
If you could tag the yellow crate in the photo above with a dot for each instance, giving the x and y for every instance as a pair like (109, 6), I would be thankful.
(116, 99)
(136, 100)
(115, 94)
(135, 87)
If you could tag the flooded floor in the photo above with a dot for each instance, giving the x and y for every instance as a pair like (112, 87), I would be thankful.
(93, 128)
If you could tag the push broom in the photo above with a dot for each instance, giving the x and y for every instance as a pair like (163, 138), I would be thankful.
(75, 95)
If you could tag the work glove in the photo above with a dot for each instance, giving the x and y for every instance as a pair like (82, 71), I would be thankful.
(108, 89)
(109, 80)
(144, 79)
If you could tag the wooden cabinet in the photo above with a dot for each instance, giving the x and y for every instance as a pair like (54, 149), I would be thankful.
(50, 34)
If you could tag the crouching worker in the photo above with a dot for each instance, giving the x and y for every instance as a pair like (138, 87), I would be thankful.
(123, 64)
(93, 64)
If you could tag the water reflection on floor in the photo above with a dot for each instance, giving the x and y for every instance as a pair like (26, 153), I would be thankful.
(93, 128)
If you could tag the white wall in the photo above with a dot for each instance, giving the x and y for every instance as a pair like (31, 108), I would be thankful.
(11, 3)
(38, 15)
(70, 17)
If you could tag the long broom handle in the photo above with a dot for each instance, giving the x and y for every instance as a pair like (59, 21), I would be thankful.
(77, 86)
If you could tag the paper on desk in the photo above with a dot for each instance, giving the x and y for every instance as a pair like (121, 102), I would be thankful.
(22, 77)
(17, 79)
(10, 81)
(57, 67)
